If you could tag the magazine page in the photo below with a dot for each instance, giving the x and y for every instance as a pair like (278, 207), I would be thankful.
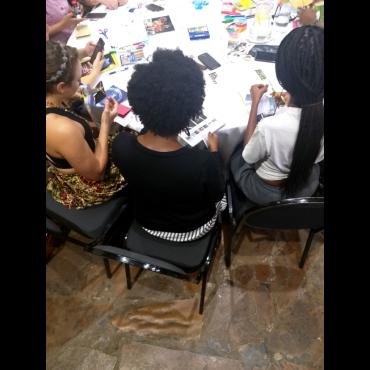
(198, 130)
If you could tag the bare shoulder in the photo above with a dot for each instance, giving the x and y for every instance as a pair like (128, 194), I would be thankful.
(61, 125)
(62, 134)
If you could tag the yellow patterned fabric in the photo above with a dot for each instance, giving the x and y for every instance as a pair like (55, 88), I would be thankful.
(75, 191)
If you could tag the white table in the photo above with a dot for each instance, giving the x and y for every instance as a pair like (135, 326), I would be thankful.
(224, 99)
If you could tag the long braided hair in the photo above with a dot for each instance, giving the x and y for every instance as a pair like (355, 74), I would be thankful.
(60, 64)
(300, 71)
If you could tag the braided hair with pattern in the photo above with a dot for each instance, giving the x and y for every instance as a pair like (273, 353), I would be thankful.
(300, 70)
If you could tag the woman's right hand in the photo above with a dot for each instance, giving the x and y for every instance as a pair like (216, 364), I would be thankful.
(307, 17)
(257, 91)
(212, 142)
(110, 111)
(70, 20)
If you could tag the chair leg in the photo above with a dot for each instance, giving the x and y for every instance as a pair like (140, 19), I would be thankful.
(203, 292)
(107, 268)
(128, 276)
(306, 248)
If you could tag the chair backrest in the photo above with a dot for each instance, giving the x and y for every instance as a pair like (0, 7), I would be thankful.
(295, 213)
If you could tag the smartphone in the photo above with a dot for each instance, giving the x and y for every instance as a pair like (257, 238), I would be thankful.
(154, 8)
(95, 15)
(99, 93)
(272, 49)
(99, 47)
(209, 61)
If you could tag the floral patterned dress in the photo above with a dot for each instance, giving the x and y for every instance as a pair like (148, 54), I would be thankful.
(74, 190)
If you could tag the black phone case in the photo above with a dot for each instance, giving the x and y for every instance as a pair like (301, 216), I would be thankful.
(95, 15)
(154, 7)
(99, 47)
(209, 61)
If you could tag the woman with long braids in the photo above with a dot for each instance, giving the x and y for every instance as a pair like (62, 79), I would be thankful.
(80, 173)
(280, 155)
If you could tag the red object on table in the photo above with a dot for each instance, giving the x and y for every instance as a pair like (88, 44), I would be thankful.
(123, 110)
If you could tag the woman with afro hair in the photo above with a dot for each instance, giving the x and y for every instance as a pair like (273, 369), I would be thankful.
(176, 190)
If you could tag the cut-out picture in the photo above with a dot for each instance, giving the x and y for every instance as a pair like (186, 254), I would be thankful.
(116, 93)
(110, 62)
(158, 25)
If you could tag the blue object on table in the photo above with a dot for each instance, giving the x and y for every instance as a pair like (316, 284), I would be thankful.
(199, 4)
(115, 92)
(104, 32)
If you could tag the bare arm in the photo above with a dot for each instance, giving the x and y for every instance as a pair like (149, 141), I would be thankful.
(256, 92)
(68, 141)
(69, 20)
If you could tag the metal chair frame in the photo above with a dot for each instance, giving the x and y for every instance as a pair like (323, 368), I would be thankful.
(234, 226)
(144, 262)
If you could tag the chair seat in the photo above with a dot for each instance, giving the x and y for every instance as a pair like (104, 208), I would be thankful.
(91, 222)
(187, 255)
(52, 227)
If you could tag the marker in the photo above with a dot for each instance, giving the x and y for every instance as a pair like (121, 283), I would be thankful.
(234, 15)
(239, 16)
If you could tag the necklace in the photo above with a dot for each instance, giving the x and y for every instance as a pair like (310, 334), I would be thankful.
(65, 107)
(50, 104)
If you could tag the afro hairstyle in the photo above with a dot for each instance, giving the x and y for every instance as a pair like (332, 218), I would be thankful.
(167, 92)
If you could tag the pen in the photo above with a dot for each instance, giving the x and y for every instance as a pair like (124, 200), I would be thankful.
(277, 8)
(121, 70)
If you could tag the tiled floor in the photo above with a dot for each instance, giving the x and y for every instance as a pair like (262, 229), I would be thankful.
(263, 313)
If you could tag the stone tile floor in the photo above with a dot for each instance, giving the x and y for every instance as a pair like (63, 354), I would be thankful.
(264, 313)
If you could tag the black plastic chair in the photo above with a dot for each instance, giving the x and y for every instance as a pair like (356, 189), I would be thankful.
(100, 224)
(294, 213)
(184, 260)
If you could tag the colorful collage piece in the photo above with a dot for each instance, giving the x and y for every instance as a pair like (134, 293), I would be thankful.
(132, 54)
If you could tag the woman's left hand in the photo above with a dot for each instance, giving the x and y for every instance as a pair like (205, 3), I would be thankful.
(98, 62)
(89, 49)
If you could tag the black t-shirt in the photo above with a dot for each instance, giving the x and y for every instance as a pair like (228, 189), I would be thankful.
(172, 191)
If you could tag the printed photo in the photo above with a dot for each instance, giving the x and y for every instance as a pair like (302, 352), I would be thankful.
(132, 54)
(115, 92)
(108, 61)
(200, 118)
(158, 25)
(260, 73)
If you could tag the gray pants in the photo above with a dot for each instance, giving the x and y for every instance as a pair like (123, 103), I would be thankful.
(257, 191)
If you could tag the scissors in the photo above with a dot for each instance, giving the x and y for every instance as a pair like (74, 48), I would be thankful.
(104, 32)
